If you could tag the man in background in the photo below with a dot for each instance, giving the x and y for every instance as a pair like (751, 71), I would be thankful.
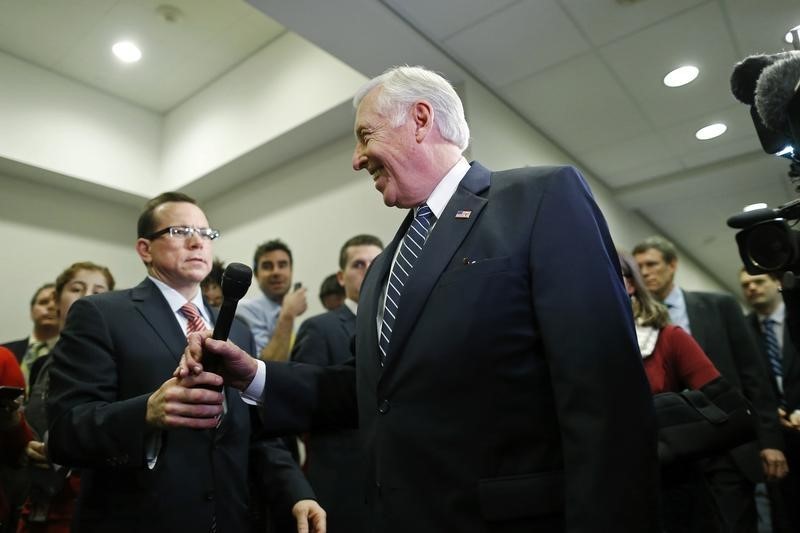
(272, 313)
(45, 330)
(768, 322)
(335, 460)
(716, 322)
(331, 294)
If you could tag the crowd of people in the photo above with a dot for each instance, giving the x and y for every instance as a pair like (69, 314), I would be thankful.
(478, 375)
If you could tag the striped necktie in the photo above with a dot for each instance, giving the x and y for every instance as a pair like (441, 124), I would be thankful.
(410, 250)
(189, 310)
(773, 351)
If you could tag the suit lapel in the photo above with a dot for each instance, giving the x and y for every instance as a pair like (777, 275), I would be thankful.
(697, 310)
(155, 310)
(347, 319)
(443, 241)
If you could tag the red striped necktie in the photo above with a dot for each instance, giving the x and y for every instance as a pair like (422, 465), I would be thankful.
(189, 310)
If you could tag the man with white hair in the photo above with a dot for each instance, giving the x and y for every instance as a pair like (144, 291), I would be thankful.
(497, 380)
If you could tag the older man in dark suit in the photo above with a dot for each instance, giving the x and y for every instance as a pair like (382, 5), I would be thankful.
(497, 377)
(717, 323)
(150, 461)
(335, 464)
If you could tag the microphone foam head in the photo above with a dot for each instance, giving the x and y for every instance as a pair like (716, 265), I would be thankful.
(775, 87)
(236, 280)
(745, 75)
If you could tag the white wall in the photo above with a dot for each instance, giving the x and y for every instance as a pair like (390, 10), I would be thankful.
(44, 230)
(60, 125)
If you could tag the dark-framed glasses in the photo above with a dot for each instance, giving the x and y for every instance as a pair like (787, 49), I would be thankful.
(185, 232)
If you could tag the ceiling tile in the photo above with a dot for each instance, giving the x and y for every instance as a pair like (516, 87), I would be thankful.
(739, 138)
(697, 37)
(578, 104)
(517, 41)
(605, 20)
(631, 161)
(759, 27)
(442, 19)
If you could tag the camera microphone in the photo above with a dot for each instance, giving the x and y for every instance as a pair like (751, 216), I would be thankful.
(745, 75)
(748, 218)
(775, 88)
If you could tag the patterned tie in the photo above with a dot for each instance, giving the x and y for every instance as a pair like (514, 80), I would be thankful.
(410, 250)
(193, 316)
(34, 352)
(773, 351)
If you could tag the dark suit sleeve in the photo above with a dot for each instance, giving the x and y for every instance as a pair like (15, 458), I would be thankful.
(311, 346)
(299, 397)
(602, 398)
(89, 426)
(753, 373)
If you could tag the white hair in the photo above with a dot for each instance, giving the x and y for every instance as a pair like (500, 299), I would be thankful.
(402, 86)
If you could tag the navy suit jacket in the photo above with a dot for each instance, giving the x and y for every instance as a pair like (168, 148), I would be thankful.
(116, 349)
(513, 396)
(791, 364)
(335, 463)
(718, 325)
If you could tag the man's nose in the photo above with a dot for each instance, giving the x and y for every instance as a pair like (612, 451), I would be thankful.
(359, 159)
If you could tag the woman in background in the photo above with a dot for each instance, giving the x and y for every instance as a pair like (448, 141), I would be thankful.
(673, 361)
(51, 500)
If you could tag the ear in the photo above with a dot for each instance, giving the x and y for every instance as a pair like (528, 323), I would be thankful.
(422, 115)
(340, 278)
(143, 249)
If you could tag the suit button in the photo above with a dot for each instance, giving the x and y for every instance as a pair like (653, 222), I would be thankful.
(209, 496)
(384, 407)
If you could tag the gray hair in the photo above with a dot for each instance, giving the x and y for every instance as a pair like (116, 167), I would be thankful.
(659, 243)
(402, 86)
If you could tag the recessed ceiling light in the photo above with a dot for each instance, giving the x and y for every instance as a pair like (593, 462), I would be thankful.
(681, 76)
(753, 207)
(711, 131)
(127, 52)
(790, 35)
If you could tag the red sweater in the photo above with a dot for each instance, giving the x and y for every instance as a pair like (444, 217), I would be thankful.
(677, 363)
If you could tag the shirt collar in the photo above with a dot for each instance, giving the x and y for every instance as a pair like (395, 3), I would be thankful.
(176, 299)
(674, 299)
(444, 190)
(778, 315)
(353, 306)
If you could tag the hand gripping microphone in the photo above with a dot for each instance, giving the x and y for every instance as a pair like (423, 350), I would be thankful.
(235, 282)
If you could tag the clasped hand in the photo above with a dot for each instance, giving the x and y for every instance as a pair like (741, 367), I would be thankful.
(187, 399)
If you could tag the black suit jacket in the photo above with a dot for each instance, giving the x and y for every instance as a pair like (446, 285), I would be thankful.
(335, 463)
(116, 349)
(718, 325)
(18, 348)
(791, 365)
(513, 396)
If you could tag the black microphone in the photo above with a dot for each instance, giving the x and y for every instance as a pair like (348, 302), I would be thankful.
(775, 88)
(235, 282)
(748, 218)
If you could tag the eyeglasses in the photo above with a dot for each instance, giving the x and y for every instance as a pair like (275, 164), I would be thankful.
(184, 232)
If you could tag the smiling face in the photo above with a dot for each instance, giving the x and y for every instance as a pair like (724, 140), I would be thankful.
(394, 155)
(274, 274)
(181, 263)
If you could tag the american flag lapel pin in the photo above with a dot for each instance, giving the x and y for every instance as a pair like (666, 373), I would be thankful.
(463, 214)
